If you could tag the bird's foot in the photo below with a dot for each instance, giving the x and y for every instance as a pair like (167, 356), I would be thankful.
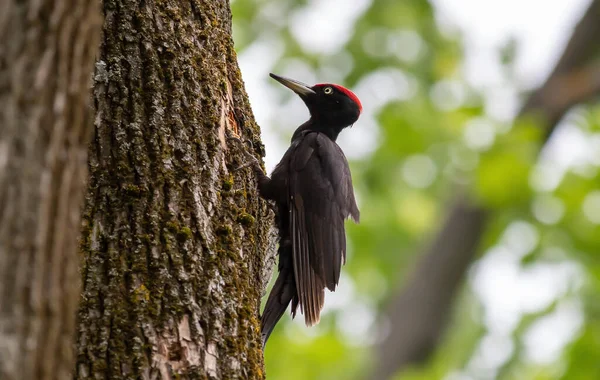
(250, 160)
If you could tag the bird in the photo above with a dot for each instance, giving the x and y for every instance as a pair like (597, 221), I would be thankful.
(312, 191)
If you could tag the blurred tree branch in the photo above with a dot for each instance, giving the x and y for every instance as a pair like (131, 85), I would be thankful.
(418, 314)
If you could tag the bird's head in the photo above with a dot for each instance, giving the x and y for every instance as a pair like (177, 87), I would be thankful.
(329, 104)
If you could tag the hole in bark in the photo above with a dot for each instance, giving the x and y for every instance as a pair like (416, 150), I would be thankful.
(175, 352)
(179, 154)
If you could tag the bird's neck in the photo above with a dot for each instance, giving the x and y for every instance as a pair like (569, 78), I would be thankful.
(314, 126)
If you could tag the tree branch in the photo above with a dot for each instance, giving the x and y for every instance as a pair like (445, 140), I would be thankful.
(420, 311)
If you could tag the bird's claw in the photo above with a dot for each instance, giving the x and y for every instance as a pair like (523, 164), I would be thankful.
(272, 207)
(234, 138)
(251, 161)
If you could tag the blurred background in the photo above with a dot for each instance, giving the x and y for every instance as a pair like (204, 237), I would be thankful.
(477, 255)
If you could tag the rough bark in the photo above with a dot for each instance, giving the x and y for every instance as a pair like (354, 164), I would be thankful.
(174, 241)
(419, 312)
(47, 50)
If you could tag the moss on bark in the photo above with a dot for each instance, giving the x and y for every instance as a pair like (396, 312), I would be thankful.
(173, 241)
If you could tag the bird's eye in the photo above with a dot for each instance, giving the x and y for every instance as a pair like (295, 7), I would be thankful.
(328, 90)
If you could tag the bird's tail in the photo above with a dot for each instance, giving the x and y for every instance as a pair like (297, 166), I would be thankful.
(282, 293)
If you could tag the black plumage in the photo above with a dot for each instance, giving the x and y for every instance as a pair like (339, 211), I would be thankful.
(312, 189)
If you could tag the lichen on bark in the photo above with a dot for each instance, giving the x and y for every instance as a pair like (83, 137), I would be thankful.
(174, 240)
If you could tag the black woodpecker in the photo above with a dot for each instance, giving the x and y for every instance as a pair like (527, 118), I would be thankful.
(312, 190)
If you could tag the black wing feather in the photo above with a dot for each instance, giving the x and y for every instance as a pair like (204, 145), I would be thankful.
(320, 198)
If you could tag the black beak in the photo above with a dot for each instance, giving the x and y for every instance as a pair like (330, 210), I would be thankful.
(298, 87)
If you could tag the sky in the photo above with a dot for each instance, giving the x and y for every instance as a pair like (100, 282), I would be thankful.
(541, 29)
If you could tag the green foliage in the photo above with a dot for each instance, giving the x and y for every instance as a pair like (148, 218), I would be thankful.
(435, 137)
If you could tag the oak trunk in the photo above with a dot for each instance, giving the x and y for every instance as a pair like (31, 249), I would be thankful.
(174, 240)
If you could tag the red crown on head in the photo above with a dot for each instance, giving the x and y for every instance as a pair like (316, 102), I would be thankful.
(344, 90)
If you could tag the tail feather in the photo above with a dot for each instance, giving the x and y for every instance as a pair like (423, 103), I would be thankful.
(280, 297)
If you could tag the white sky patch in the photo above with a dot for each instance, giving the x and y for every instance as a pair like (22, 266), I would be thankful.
(508, 290)
(569, 148)
(374, 42)
(362, 139)
(336, 68)
(502, 103)
(406, 44)
(492, 352)
(545, 177)
(495, 283)
(448, 95)
(562, 324)
(356, 323)
(342, 297)
(548, 209)
(419, 171)
(258, 59)
(274, 12)
(255, 63)
(520, 237)
(292, 112)
(298, 332)
(324, 26)
(479, 134)
(383, 86)
(594, 142)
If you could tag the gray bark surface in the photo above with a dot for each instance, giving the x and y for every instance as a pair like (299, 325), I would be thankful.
(47, 50)
(174, 241)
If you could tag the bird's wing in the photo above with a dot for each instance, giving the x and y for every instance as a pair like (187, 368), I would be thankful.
(320, 198)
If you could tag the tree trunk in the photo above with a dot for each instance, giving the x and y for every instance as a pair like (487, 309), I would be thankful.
(47, 50)
(174, 241)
